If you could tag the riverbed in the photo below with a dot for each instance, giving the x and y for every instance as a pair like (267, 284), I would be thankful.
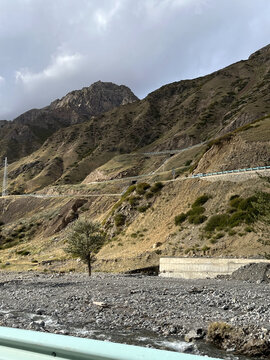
(141, 310)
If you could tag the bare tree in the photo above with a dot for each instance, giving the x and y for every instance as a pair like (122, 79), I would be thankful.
(85, 240)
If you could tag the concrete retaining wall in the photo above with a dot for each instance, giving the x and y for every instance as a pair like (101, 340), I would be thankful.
(201, 268)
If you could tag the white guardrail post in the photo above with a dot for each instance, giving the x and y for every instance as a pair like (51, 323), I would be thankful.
(17, 344)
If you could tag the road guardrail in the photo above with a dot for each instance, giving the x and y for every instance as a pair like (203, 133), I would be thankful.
(17, 344)
(231, 171)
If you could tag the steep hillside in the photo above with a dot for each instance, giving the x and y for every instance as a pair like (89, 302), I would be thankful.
(27, 132)
(220, 121)
(175, 116)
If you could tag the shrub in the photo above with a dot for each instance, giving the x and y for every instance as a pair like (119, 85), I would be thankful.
(119, 219)
(130, 190)
(133, 200)
(179, 219)
(231, 210)
(23, 252)
(219, 235)
(234, 203)
(141, 188)
(156, 187)
(231, 232)
(234, 197)
(197, 219)
(217, 222)
(196, 210)
(188, 162)
(217, 332)
(201, 200)
(246, 204)
(237, 218)
(205, 248)
(143, 208)
(148, 195)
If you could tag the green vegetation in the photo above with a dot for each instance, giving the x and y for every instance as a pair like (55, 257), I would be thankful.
(241, 211)
(201, 200)
(18, 233)
(179, 219)
(188, 162)
(143, 208)
(218, 331)
(133, 200)
(23, 252)
(196, 210)
(141, 188)
(194, 215)
(197, 219)
(148, 195)
(156, 187)
(119, 220)
(84, 241)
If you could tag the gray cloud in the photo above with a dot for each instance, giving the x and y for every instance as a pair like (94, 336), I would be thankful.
(55, 46)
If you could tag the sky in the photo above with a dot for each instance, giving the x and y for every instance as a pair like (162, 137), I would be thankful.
(51, 47)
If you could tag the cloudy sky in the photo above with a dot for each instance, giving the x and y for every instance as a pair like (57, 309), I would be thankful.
(50, 47)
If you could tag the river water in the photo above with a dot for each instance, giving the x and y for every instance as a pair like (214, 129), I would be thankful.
(140, 338)
(151, 340)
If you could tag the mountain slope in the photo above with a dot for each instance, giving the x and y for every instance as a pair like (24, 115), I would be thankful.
(28, 131)
(224, 110)
(175, 116)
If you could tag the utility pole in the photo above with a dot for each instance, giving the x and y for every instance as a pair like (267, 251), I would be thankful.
(4, 188)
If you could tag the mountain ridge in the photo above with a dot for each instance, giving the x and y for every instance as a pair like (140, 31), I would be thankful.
(27, 132)
(226, 113)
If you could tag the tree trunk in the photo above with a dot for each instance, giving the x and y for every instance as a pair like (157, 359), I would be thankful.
(89, 264)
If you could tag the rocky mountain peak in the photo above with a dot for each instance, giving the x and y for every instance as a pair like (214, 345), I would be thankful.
(95, 99)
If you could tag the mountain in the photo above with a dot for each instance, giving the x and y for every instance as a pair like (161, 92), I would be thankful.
(220, 121)
(28, 131)
(176, 116)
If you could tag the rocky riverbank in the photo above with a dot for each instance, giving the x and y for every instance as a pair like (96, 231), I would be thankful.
(77, 305)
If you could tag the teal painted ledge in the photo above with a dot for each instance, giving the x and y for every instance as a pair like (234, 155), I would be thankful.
(17, 344)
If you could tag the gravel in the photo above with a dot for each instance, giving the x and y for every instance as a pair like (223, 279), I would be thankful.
(165, 306)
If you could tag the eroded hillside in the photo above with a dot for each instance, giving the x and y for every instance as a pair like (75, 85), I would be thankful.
(220, 121)
(175, 116)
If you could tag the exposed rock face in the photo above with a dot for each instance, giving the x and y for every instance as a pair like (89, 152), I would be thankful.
(95, 99)
(68, 214)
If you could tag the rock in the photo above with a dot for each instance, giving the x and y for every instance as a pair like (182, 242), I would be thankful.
(40, 311)
(40, 323)
(194, 334)
(100, 304)
(156, 245)
(254, 272)
(257, 347)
